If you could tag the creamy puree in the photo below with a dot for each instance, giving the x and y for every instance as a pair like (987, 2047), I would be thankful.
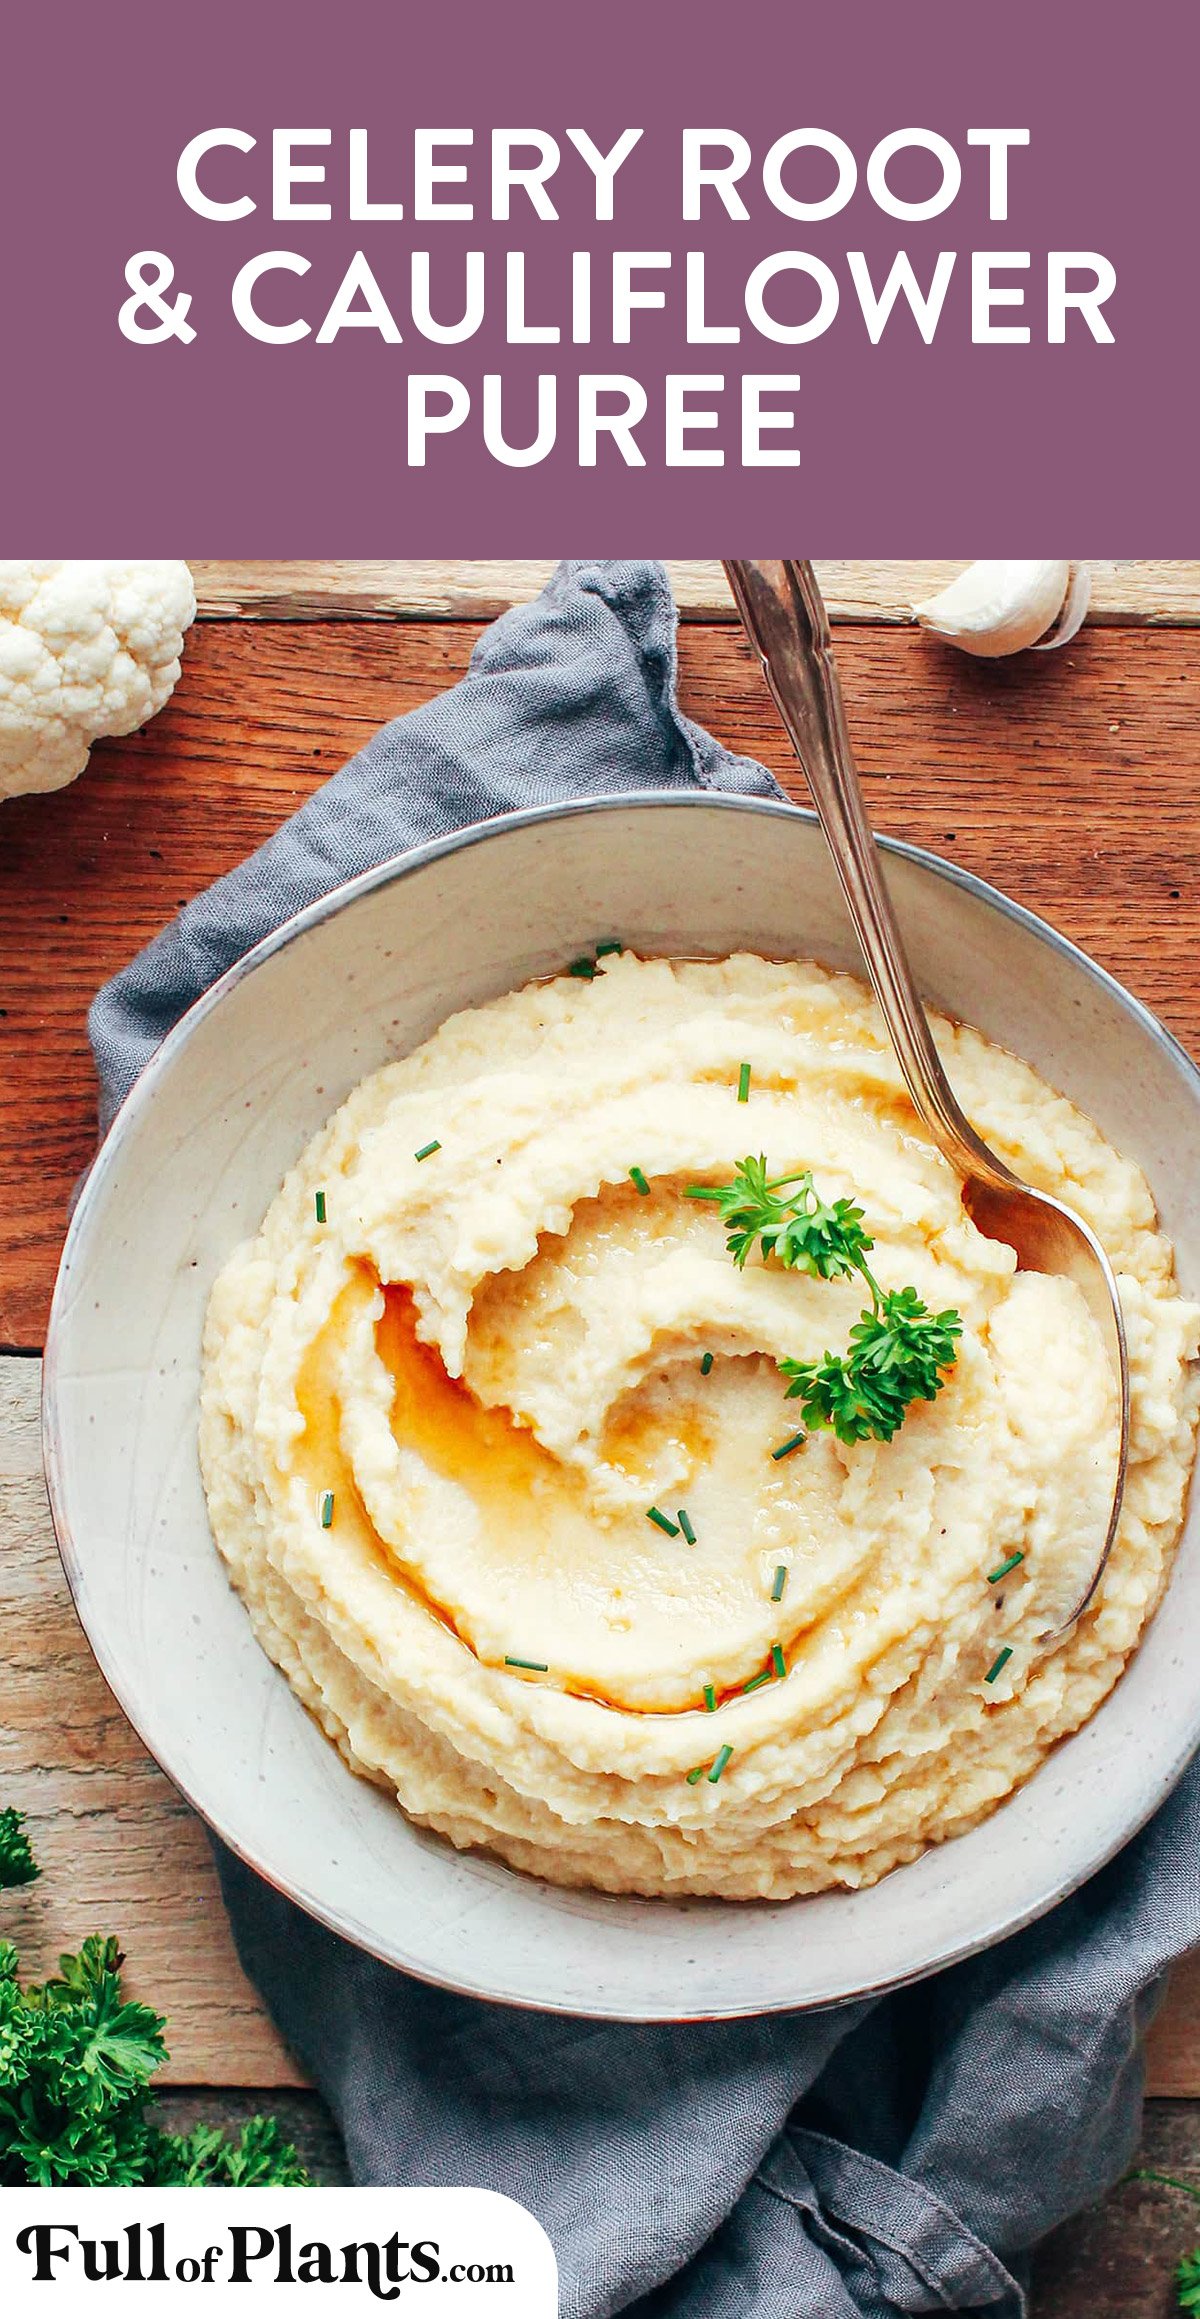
(492, 1358)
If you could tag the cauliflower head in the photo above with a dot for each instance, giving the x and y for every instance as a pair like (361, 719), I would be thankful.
(85, 649)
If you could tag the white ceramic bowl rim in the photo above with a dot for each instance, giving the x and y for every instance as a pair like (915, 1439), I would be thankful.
(397, 868)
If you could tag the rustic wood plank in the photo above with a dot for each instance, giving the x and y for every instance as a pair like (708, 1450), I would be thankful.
(1071, 780)
(1130, 594)
(120, 1851)
(1174, 2047)
(1117, 2260)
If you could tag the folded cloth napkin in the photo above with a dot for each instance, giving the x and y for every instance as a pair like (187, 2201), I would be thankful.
(900, 2156)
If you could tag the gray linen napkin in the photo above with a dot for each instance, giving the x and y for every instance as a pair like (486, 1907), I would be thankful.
(896, 2157)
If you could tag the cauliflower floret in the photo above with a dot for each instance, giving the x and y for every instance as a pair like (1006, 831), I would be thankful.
(85, 649)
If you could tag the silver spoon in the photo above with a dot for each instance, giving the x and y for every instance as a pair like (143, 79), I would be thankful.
(785, 619)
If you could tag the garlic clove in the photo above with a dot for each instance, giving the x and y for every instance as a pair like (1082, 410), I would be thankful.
(1073, 613)
(993, 608)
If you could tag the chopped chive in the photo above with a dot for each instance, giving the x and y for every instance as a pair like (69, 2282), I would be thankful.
(320, 1204)
(663, 1520)
(779, 1581)
(693, 1776)
(535, 1666)
(744, 1084)
(778, 1661)
(794, 1441)
(681, 1516)
(638, 1180)
(719, 1762)
(706, 1364)
(997, 1663)
(327, 1510)
(427, 1150)
(994, 1576)
(710, 1698)
(609, 949)
(585, 968)
(755, 1680)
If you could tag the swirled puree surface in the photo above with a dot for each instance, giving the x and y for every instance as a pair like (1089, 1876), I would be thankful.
(434, 1422)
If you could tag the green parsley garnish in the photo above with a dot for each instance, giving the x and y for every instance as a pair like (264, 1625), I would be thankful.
(794, 1441)
(327, 1509)
(898, 1354)
(76, 2059)
(638, 1180)
(534, 1666)
(779, 1581)
(898, 1351)
(1000, 1661)
(994, 1576)
(706, 1364)
(427, 1150)
(744, 1084)
(778, 1661)
(719, 1762)
(654, 1514)
(755, 1680)
(802, 1231)
(17, 1864)
(1187, 2275)
(320, 1207)
(1187, 2272)
(710, 1699)
(695, 1775)
(587, 967)
(683, 1519)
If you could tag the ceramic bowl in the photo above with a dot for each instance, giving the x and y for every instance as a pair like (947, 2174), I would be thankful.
(196, 1154)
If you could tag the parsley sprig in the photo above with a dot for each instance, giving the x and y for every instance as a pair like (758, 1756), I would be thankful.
(76, 2059)
(898, 1352)
(803, 1231)
(17, 1864)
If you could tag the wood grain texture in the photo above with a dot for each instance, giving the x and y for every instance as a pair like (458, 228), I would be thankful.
(1174, 2047)
(1127, 594)
(120, 1851)
(1117, 2260)
(1070, 780)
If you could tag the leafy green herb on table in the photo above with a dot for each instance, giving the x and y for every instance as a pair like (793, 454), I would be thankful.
(1187, 2271)
(898, 1352)
(76, 2058)
(17, 1864)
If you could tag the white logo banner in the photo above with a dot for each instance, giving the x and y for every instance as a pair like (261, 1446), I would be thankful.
(368, 2250)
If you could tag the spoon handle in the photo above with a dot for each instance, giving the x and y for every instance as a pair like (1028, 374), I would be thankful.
(785, 618)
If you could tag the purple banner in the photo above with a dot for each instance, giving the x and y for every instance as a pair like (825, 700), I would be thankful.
(877, 280)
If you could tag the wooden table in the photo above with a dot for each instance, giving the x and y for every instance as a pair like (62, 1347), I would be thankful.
(1071, 779)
